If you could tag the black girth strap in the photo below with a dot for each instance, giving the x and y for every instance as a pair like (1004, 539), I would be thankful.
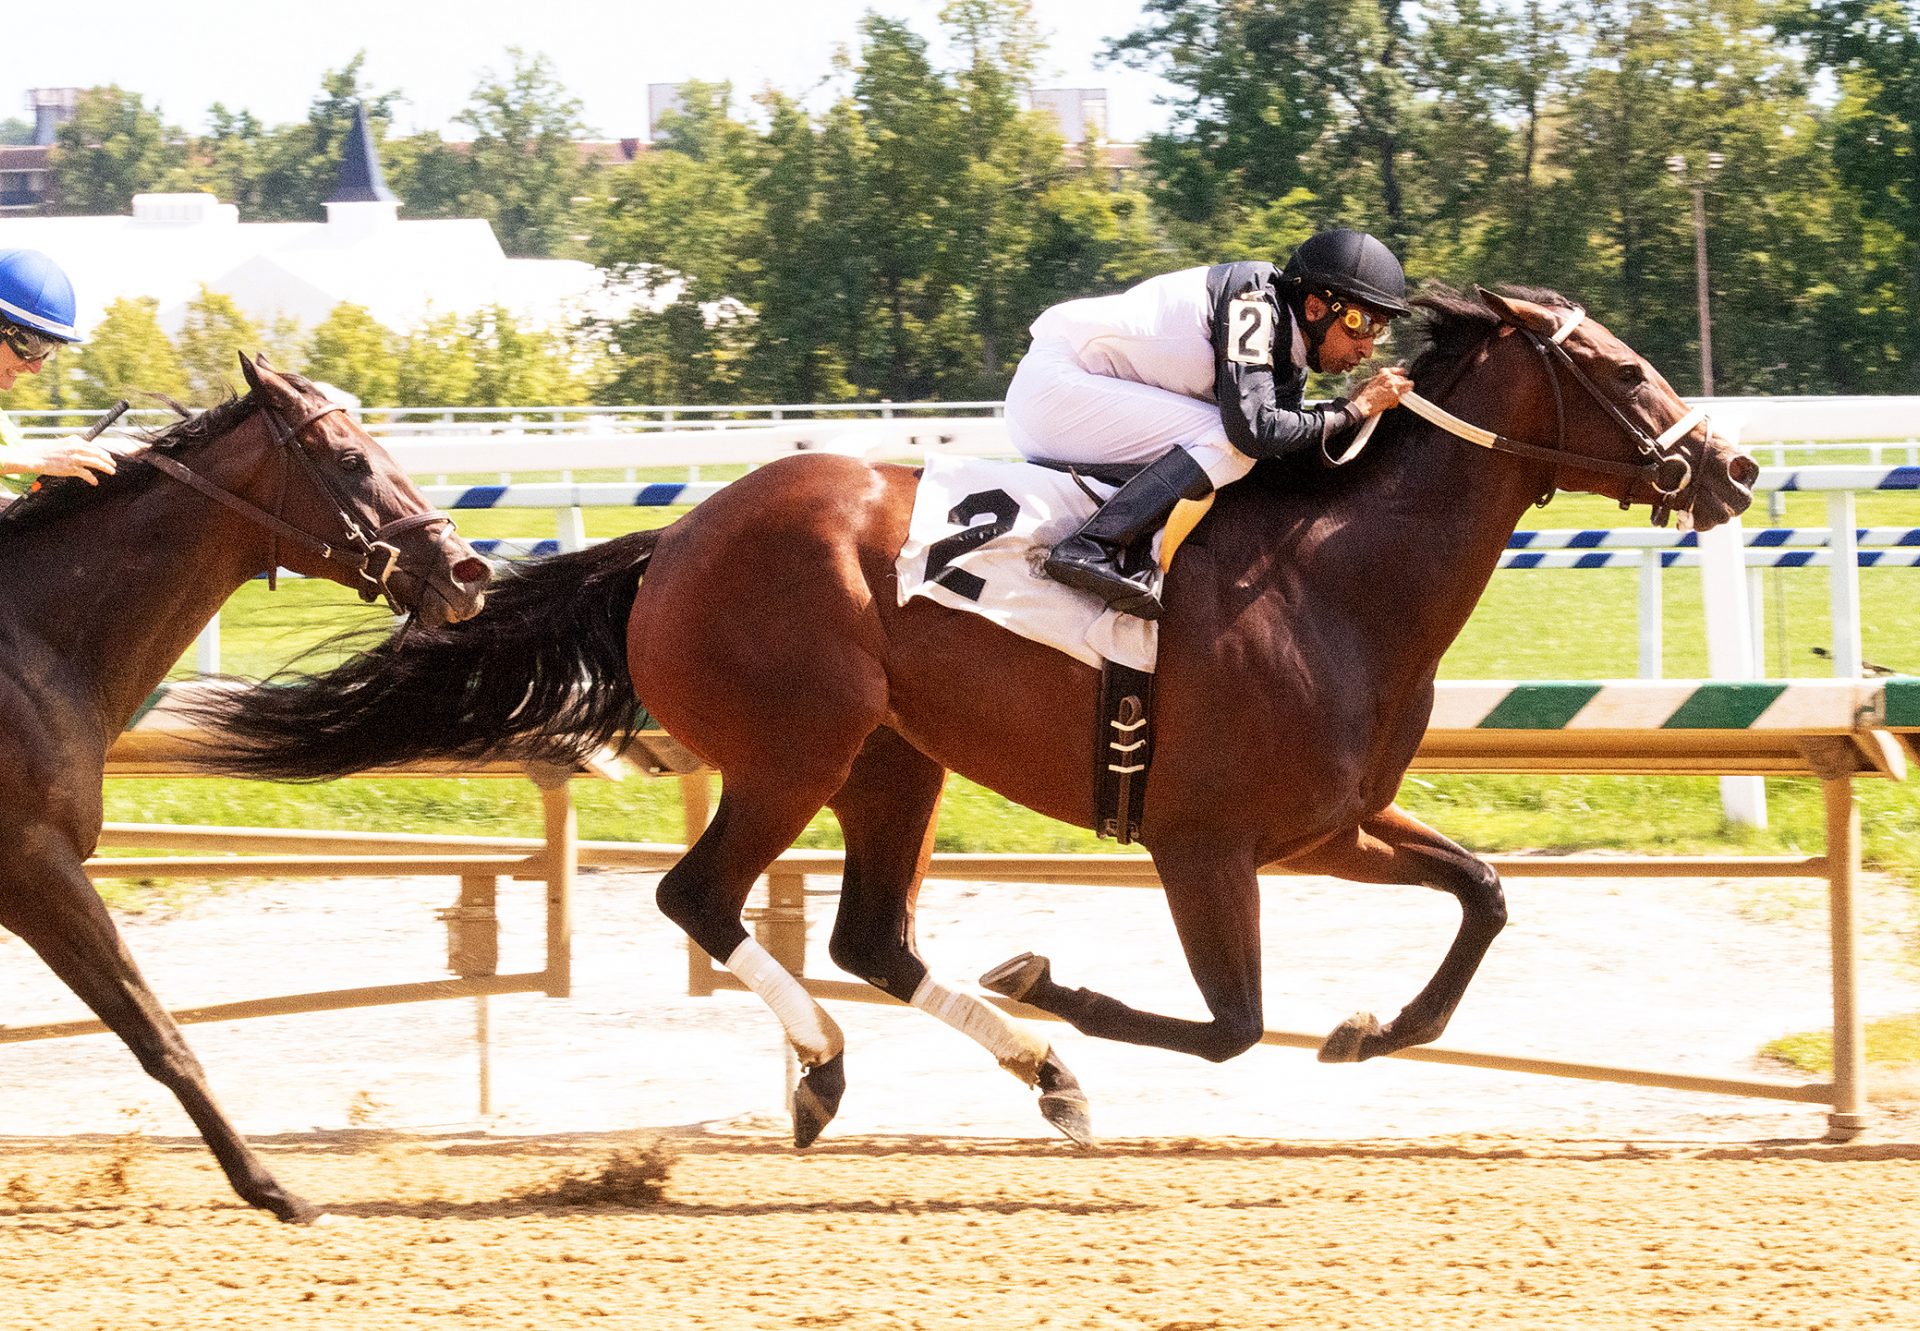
(1122, 751)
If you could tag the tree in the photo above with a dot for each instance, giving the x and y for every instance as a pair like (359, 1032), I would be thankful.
(211, 338)
(115, 147)
(432, 177)
(680, 236)
(523, 158)
(912, 171)
(515, 365)
(354, 351)
(128, 356)
(299, 164)
(231, 161)
(436, 365)
(1873, 49)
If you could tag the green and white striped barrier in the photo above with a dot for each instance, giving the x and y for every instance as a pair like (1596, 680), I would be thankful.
(1830, 705)
(1839, 706)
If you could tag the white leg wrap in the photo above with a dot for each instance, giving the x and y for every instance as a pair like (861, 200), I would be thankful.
(815, 1036)
(1018, 1049)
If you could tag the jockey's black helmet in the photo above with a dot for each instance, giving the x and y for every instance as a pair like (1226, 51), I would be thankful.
(1351, 264)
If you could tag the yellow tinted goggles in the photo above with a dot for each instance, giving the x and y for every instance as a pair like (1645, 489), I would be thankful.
(1360, 323)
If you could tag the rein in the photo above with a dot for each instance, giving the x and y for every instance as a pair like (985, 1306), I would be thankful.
(369, 556)
(1658, 453)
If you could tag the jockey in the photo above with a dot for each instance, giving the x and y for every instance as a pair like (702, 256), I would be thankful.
(36, 316)
(1198, 374)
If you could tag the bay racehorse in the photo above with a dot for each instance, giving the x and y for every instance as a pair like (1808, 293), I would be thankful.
(1306, 618)
(102, 589)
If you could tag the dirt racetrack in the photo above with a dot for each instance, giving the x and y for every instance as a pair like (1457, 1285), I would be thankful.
(924, 1233)
(1267, 1192)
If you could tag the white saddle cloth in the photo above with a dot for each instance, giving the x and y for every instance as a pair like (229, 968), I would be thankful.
(981, 531)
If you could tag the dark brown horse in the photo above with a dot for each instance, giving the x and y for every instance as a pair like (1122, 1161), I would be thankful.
(100, 592)
(1307, 616)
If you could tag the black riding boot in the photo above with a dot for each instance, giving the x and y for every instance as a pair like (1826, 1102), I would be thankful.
(1096, 557)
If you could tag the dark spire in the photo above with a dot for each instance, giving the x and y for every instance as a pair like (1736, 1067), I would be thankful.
(360, 177)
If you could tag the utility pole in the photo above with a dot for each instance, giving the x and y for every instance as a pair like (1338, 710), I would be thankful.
(1697, 185)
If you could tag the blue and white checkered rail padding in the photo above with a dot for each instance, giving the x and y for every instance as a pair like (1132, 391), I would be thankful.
(560, 494)
(1690, 558)
(1661, 538)
(1838, 477)
(662, 494)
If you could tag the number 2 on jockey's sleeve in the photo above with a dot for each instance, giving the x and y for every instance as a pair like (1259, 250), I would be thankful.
(1250, 329)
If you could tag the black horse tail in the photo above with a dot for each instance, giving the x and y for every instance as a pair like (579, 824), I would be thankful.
(539, 675)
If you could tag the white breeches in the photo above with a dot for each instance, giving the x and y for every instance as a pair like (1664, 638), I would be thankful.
(1056, 409)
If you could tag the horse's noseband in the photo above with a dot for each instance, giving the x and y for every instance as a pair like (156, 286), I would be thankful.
(369, 555)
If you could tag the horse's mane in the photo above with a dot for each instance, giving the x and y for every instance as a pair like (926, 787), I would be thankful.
(57, 497)
(1450, 325)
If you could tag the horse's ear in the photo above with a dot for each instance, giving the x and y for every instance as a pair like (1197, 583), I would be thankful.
(246, 369)
(1520, 313)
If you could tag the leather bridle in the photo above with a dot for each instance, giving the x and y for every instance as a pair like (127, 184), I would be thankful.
(1660, 455)
(368, 555)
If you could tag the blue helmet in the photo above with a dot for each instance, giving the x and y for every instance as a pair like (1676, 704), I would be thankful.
(36, 295)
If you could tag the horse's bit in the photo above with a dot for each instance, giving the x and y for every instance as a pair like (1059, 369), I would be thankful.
(1658, 453)
(369, 556)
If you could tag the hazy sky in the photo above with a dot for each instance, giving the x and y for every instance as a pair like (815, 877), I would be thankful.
(269, 58)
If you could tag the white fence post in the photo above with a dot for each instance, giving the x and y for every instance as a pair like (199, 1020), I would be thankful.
(206, 657)
(1723, 585)
(1844, 543)
(1652, 616)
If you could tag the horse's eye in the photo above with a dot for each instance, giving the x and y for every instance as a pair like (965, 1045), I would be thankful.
(353, 462)
(1632, 374)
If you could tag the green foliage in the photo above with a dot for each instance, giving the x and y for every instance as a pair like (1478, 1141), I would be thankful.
(114, 147)
(127, 355)
(354, 351)
(524, 167)
(513, 365)
(209, 343)
(436, 366)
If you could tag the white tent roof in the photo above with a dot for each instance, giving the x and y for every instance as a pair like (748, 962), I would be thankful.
(402, 271)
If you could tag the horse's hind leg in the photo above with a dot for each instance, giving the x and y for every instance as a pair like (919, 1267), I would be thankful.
(1214, 897)
(55, 910)
(886, 811)
(706, 891)
(1395, 847)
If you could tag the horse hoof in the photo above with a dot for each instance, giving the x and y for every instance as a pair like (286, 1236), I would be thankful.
(293, 1210)
(1017, 978)
(817, 1099)
(1349, 1039)
(1069, 1112)
(1063, 1103)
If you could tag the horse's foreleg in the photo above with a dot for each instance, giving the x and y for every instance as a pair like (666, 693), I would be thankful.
(1215, 902)
(1395, 847)
(705, 893)
(886, 812)
(55, 910)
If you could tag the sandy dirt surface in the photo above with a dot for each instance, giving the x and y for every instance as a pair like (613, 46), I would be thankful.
(1270, 1191)
(925, 1233)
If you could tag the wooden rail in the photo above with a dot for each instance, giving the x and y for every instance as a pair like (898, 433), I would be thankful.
(1830, 731)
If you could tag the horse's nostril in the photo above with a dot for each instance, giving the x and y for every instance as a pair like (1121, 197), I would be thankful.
(1743, 469)
(472, 571)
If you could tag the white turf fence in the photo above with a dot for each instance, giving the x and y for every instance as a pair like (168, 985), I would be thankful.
(1834, 445)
